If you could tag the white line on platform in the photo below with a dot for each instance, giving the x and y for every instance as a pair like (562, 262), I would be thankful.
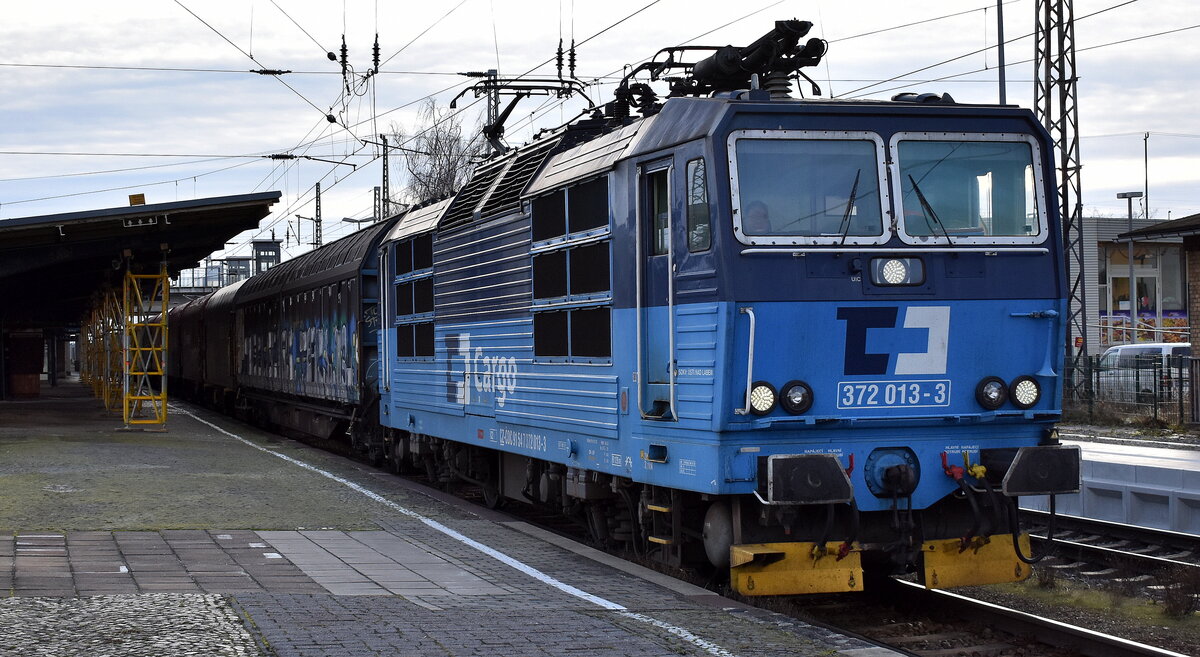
(707, 646)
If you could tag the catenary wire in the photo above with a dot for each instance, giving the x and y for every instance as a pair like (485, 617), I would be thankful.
(1026, 61)
(300, 27)
(850, 94)
(251, 57)
(124, 187)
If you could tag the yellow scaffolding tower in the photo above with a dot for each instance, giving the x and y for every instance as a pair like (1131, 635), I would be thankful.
(89, 367)
(114, 351)
(145, 347)
(102, 365)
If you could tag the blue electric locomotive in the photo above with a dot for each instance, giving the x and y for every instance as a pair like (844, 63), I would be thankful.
(794, 337)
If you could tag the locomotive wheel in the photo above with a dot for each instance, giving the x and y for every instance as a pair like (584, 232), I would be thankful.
(397, 461)
(375, 455)
(492, 498)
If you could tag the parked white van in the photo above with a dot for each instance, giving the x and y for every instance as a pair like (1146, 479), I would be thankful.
(1139, 372)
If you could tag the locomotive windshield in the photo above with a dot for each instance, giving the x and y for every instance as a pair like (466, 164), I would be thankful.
(967, 190)
(790, 190)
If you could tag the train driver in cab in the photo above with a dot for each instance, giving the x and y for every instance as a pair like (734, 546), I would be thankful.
(757, 221)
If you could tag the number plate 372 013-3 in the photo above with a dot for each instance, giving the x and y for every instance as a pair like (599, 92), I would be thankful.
(893, 394)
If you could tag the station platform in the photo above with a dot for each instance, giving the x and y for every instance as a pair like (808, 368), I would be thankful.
(1134, 484)
(215, 538)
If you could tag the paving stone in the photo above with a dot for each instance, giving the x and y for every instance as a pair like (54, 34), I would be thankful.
(362, 580)
(45, 593)
(178, 587)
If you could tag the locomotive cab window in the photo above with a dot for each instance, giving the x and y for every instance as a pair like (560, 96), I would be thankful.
(412, 299)
(571, 270)
(969, 189)
(794, 187)
(658, 200)
(699, 219)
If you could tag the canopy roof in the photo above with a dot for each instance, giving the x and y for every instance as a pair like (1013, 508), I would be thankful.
(51, 266)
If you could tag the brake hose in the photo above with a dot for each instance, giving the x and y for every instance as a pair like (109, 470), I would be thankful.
(1016, 532)
(970, 494)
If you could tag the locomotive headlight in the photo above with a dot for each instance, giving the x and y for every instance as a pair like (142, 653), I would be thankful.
(1025, 392)
(762, 398)
(894, 272)
(897, 271)
(797, 397)
(991, 393)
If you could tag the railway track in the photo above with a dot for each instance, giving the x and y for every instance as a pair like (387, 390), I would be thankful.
(913, 620)
(900, 615)
(1101, 550)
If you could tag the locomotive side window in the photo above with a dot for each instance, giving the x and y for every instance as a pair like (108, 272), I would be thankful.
(966, 189)
(699, 219)
(413, 298)
(658, 198)
(572, 286)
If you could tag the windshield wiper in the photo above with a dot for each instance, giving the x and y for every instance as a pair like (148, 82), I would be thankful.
(844, 227)
(929, 213)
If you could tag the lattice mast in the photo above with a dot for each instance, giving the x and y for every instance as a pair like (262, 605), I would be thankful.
(1056, 104)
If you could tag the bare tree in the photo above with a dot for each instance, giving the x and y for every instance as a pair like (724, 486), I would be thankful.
(442, 161)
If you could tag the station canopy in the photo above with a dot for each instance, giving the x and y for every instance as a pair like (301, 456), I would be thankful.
(52, 267)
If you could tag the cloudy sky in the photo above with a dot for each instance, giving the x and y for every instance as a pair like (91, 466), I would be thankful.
(100, 100)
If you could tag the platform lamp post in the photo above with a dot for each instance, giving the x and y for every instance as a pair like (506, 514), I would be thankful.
(1129, 196)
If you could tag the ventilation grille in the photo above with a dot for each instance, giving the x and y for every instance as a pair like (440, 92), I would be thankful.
(507, 194)
(469, 197)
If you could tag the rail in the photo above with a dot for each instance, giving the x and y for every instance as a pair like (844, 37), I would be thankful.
(1082, 641)
(1120, 546)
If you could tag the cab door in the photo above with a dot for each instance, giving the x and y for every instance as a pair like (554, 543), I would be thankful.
(656, 317)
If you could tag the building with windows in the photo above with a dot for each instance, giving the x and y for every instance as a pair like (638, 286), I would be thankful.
(1167, 289)
(215, 273)
(1157, 309)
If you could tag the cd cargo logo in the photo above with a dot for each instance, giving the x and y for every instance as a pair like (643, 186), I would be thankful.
(873, 337)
